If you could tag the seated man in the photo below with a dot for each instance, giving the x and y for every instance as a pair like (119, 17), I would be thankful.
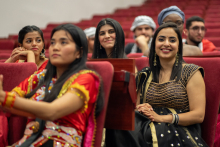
(90, 34)
(195, 32)
(143, 28)
(175, 15)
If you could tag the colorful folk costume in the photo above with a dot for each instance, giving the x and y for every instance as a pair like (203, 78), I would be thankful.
(71, 130)
(166, 98)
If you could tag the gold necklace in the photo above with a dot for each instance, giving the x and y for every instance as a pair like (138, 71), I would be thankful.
(38, 62)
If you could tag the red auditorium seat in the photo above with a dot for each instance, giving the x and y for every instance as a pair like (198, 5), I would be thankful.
(212, 78)
(212, 33)
(106, 71)
(212, 25)
(134, 55)
(212, 20)
(11, 79)
(214, 40)
(89, 55)
(7, 44)
(128, 40)
(5, 55)
(104, 68)
(212, 11)
(14, 37)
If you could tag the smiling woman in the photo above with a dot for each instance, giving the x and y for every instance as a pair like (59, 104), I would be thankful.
(31, 48)
(170, 100)
(109, 40)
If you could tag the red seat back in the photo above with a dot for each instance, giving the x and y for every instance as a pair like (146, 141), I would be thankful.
(134, 55)
(7, 44)
(106, 71)
(212, 78)
(14, 73)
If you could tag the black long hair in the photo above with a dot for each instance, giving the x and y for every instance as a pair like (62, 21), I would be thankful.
(28, 29)
(80, 40)
(176, 71)
(118, 51)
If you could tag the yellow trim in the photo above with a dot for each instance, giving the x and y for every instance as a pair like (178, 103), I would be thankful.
(147, 85)
(172, 110)
(30, 81)
(80, 88)
(18, 91)
(10, 99)
(190, 136)
(70, 81)
(187, 132)
(154, 135)
(84, 91)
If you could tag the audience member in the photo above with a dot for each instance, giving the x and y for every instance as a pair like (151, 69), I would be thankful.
(195, 32)
(90, 34)
(109, 40)
(62, 97)
(174, 14)
(143, 28)
(171, 98)
(32, 48)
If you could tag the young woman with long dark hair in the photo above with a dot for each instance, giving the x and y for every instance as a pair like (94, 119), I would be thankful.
(171, 98)
(32, 47)
(109, 40)
(64, 97)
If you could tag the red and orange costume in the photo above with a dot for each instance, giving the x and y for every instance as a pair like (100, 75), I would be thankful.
(68, 130)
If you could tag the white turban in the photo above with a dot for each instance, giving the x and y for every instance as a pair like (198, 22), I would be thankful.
(90, 31)
(143, 20)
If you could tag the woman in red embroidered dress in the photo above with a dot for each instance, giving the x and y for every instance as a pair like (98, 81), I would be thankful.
(65, 97)
(32, 48)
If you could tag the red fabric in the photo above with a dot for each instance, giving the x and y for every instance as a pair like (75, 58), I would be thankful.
(42, 67)
(78, 119)
(217, 133)
(17, 123)
(208, 46)
(13, 75)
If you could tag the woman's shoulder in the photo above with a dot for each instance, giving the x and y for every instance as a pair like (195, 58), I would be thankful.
(85, 75)
(189, 70)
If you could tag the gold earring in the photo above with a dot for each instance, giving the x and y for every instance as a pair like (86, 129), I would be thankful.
(155, 59)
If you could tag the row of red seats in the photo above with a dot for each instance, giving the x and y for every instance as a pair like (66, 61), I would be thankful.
(17, 124)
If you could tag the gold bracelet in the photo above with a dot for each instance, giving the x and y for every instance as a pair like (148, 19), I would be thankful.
(9, 99)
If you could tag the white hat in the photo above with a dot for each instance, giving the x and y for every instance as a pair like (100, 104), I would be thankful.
(90, 31)
(143, 20)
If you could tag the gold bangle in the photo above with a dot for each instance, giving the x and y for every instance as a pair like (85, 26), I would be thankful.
(9, 99)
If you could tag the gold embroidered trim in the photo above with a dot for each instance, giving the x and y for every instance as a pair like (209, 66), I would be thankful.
(30, 81)
(190, 136)
(147, 85)
(70, 81)
(17, 90)
(187, 132)
(154, 135)
(84, 91)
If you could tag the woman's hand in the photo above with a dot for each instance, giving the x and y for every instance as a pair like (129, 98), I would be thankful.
(152, 115)
(15, 55)
(2, 93)
(148, 111)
